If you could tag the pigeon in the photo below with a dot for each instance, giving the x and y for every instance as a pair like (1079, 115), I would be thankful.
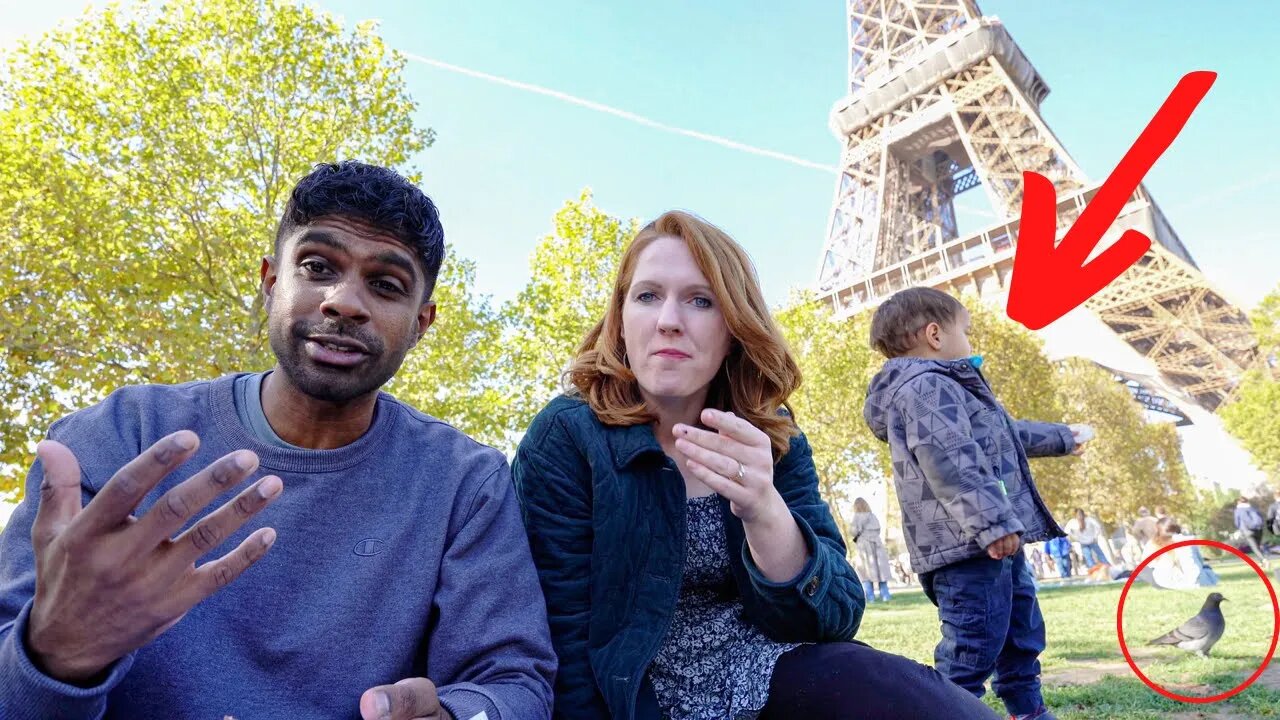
(1200, 632)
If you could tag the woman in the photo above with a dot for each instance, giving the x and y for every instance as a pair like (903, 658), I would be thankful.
(872, 556)
(1179, 569)
(1087, 531)
(690, 567)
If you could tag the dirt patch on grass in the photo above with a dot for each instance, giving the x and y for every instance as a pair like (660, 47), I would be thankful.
(1086, 674)
(1092, 672)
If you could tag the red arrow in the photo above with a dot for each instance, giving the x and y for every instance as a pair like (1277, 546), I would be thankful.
(1048, 282)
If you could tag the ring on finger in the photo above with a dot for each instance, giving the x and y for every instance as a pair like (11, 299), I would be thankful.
(742, 472)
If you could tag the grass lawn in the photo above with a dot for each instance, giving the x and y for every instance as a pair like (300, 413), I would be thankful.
(1084, 672)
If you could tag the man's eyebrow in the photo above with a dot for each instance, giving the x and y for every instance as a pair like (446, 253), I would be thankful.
(323, 237)
(397, 260)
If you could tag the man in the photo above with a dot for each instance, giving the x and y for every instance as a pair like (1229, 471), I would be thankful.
(1249, 524)
(399, 582)
(1144, 527)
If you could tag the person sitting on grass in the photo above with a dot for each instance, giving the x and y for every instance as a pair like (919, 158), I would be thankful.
(377, 563)
(1250, 525)
(690, 564)
(1178, 569)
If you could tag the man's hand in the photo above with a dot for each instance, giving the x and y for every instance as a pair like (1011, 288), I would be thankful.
(1082, 434)
(1004, 547)
(411, 699)
(108, 583)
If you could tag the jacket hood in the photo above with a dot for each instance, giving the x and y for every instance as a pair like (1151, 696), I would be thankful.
(895, 373)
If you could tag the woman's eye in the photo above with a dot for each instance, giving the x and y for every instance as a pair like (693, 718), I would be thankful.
(702, 302)
(646, 296)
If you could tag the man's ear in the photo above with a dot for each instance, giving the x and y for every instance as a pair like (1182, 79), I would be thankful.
(426, 317)
(267, 277)
(933, 335)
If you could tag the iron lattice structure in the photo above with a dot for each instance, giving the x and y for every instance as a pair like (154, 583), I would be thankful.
(943, 101)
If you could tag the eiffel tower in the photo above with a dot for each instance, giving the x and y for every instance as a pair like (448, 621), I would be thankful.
(942, 101)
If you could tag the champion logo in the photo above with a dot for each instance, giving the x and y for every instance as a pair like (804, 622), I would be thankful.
(369, 547)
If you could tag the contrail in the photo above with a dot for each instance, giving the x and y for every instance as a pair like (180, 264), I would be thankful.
(625, 115)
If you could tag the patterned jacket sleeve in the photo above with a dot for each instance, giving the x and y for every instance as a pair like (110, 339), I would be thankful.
(1041, 439)
(956, 470)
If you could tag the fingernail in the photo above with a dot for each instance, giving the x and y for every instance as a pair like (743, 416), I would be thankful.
(270, 487)
(268, 537)
(185, 440)
(383, 704)
(245, 461)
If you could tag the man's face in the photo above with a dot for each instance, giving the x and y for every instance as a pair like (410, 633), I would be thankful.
(344, 304)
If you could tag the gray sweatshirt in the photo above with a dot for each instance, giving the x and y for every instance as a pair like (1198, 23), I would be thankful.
(402, 554)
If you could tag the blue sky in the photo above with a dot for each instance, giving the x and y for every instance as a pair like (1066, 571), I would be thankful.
(766, 74)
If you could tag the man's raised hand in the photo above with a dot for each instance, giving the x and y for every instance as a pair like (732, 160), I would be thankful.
(108, 583)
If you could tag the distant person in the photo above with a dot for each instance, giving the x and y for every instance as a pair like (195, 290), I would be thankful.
(1116, 542)
(901, 565)
(1037, 560)
(1250, 524)
(1131, 549)
(1273, 515)
(874, 559)
(1059, 549)
(1087, 531)
(1144, 527)
(1178, 569)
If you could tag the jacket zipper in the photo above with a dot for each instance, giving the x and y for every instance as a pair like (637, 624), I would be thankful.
(684, 551)
(1013, 435)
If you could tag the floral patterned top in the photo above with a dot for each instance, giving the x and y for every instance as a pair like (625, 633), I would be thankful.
(712, 665)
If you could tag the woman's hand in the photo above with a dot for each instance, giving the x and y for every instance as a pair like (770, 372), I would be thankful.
(736, 462)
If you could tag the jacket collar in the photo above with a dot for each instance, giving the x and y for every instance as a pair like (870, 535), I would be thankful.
(628, 443)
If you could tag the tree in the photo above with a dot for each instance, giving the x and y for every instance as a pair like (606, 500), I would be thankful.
(1132, 462)
(836, 364)
(1266, 323)
(1251, 415)
(148, 157)
(571, 276)
(1014, 363)
(455, 372)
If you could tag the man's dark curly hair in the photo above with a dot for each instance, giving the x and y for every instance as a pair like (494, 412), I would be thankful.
(376, 196)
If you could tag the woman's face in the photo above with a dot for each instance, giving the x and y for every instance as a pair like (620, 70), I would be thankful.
(675, 335)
